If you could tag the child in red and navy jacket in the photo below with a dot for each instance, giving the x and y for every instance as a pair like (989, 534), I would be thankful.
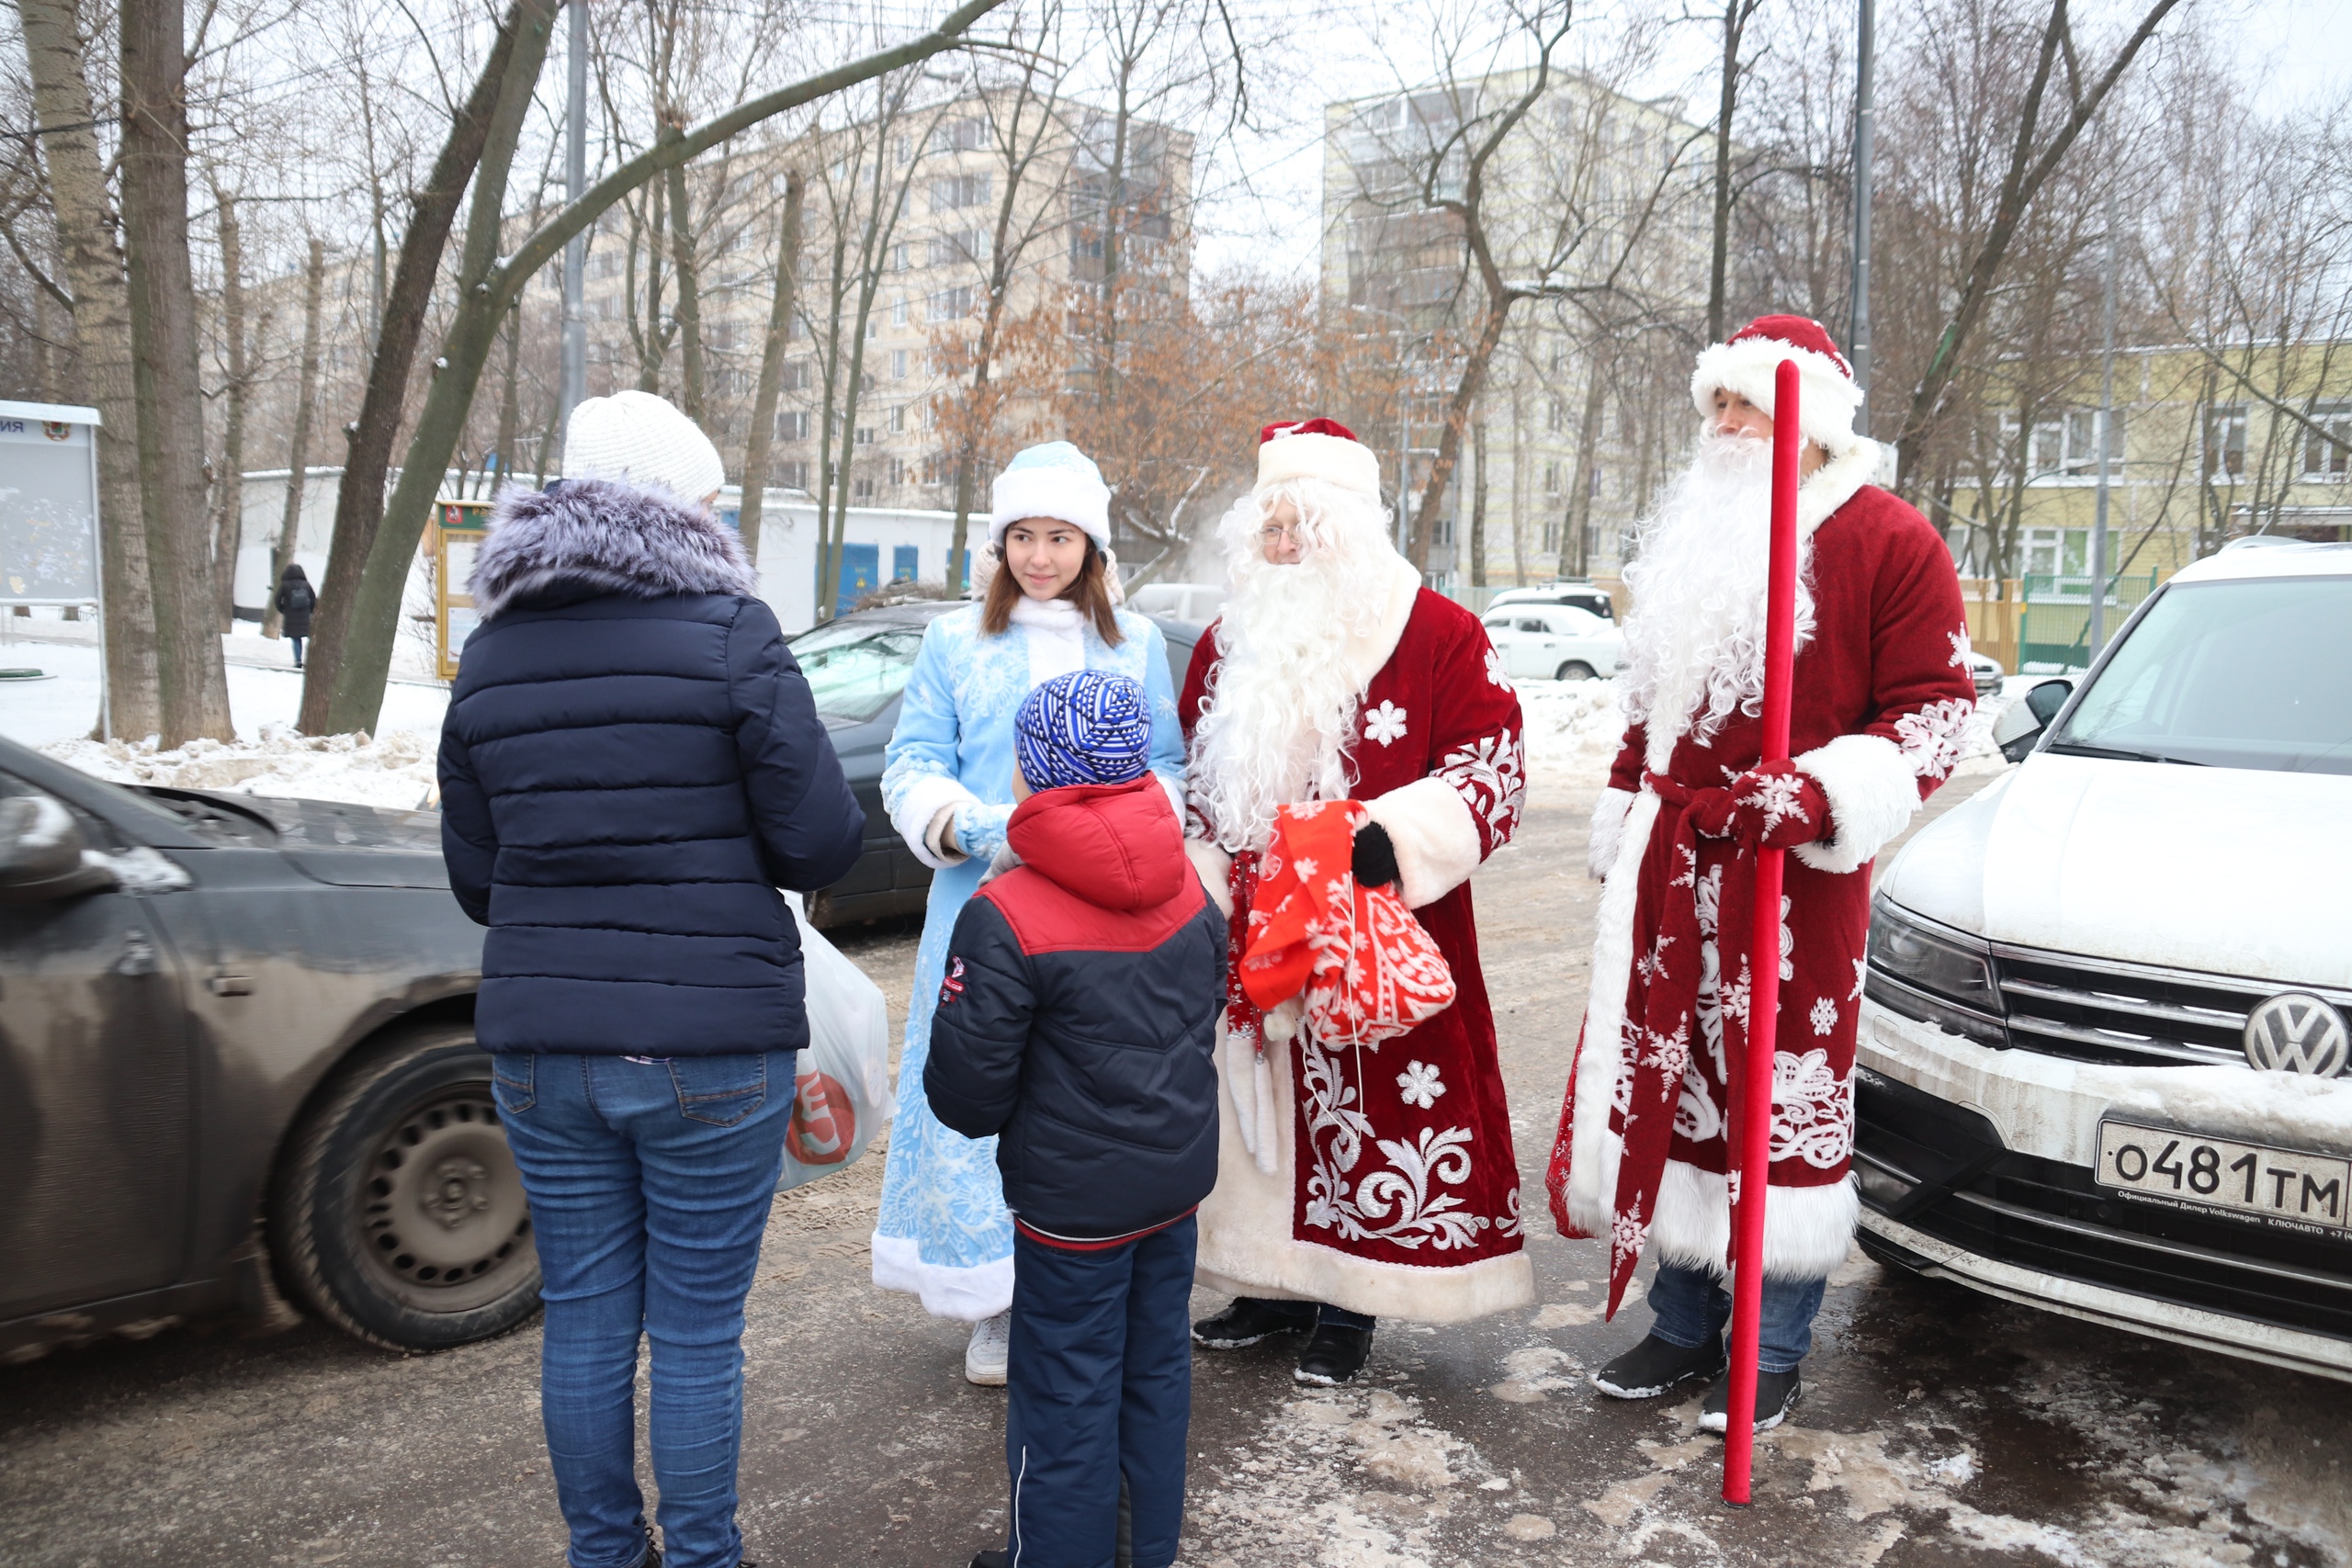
(1076, 1025)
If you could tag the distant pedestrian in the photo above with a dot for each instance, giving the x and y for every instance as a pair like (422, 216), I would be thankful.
(943, 1233)
(630, 766)
(1076, 1025)
(296, 600)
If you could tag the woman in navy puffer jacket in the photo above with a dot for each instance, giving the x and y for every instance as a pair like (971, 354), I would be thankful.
(630, 767)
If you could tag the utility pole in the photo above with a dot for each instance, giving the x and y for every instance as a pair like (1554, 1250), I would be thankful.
(574, 377)
(1857, 333)
(2106, 439)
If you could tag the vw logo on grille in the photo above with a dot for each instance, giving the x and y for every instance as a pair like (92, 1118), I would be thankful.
(2297, 1032)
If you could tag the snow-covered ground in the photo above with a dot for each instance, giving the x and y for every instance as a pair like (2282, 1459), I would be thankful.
(394, 769)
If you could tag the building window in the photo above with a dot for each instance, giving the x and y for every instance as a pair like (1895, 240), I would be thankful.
(898, 472)
(1554, 416)
(866, 436)
(1551, 482)
(899, 417)
(900, 311)
(2325, 459)
(862, 492)
(950, 193)
(949, 305)
(2057, 552)
(2225, 441)
(792, 425)
(796, 375)
(901, 257)
(792, 474)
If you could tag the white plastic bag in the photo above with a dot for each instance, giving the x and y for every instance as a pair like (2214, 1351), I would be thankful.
(843, 1088)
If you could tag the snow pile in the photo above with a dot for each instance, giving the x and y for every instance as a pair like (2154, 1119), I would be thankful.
(1573, 727)
(395, 771)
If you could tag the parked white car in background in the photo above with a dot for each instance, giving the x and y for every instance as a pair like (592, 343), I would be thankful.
(2103, 1064)
(1554, 641)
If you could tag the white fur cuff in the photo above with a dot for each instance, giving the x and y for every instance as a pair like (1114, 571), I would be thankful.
(918, 816)
(1806, 1229)
(1436, 839)
(1608, 827)
(1872, 793)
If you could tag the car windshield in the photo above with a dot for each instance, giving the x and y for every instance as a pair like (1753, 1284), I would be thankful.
(2244, 674)
(854, 668)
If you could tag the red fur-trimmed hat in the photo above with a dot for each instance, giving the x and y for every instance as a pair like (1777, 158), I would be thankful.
(1746, 362)
(1317, 449)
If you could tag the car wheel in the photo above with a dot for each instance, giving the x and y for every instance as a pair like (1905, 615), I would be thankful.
(399, 1215)
(1574, 670)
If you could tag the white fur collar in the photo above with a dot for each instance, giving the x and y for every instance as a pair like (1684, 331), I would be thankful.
(1057, 615)
(1833, 483)
(1368, 651)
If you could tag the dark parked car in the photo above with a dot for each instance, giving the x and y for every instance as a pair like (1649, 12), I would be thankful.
(857, 666)
(237, 1055)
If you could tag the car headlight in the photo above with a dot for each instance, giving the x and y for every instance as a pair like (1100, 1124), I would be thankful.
(1938, 976)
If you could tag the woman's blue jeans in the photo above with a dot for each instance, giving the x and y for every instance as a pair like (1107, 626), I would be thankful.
(650, 1184)
(1693, 1308)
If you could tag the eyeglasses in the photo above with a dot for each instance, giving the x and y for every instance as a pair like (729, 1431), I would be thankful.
(1279, 533)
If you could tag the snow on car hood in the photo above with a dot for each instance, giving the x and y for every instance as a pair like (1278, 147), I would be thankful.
(2231, 870)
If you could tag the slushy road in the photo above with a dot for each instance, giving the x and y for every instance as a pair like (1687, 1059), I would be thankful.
(1941, 1427)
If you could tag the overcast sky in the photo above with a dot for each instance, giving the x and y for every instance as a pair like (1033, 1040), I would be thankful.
(2301, 48)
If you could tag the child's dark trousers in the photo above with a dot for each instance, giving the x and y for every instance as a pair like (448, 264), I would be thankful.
(1100, 1387)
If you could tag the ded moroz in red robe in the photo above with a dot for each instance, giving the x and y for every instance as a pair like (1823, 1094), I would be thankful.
(1381, 1179)
(1883, 695)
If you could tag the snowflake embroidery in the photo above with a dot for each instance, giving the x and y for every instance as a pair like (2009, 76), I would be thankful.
(1305, 865)
(1494, 668)
(1709, 898)
(1419, 1085)
(1626, 1234)
(1959, 647)
(1384, 723)
(1689, 867)
(1780, 796)
(1824, 1015)
(1930, 737)
(1669, 1054)
(1652, 964)
(1861, 969)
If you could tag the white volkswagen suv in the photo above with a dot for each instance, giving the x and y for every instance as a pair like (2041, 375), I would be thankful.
(2103, 1061)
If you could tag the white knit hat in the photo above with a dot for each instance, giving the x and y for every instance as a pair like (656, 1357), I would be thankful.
(636, 438)
(1054, 479)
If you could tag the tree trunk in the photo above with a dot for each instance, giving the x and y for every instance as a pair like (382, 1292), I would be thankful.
(757, 448)
(1457, 414)
(94, 270)
(359, 505)
(1735, 12)
(691, 392)
(1588, 443)
(290, 528)
(163, 367)
(510, 399)
(372, 617)
(228, 483)
(1478, 506)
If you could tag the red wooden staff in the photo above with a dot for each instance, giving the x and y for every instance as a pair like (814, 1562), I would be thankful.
(1753, 1147)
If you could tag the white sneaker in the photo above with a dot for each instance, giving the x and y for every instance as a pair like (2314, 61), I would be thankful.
(985, 1357)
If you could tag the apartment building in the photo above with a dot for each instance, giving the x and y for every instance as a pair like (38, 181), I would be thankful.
(1602, 199)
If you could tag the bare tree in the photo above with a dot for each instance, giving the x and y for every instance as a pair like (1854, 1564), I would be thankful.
(772, 350)
(297, 453)
(1735, 17)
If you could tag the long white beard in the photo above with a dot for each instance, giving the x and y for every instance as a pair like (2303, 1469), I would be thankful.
(1283, 710)
(1695, 639)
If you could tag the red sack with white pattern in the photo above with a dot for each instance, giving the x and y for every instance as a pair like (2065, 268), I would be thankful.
(1369, 971)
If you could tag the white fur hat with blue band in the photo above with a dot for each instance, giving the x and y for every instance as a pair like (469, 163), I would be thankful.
(1057, 480)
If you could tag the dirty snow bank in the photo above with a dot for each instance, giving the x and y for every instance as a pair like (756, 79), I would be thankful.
(395, 771)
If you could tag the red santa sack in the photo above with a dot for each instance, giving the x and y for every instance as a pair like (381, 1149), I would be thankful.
(1369, 970)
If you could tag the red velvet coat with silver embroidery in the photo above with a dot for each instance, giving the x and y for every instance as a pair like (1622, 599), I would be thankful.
(1400, 1153)
(1883, 695)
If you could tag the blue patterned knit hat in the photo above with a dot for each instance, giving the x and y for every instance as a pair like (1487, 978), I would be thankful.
(1086, 727)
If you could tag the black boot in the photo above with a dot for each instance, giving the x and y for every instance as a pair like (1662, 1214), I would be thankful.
(991, 1560)
(1775, 1394)
(1335, 1355)
(1248, 1320)
(1657, 1366)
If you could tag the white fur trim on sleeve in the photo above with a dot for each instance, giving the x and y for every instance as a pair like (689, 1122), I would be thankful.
(918, 813)
(1215, 868)
(1608, 827)
(1872, 792)
(1806, 1229)
(1435, 836)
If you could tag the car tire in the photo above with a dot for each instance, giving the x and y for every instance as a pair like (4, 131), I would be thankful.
(1574, 670)
(398, 1214)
